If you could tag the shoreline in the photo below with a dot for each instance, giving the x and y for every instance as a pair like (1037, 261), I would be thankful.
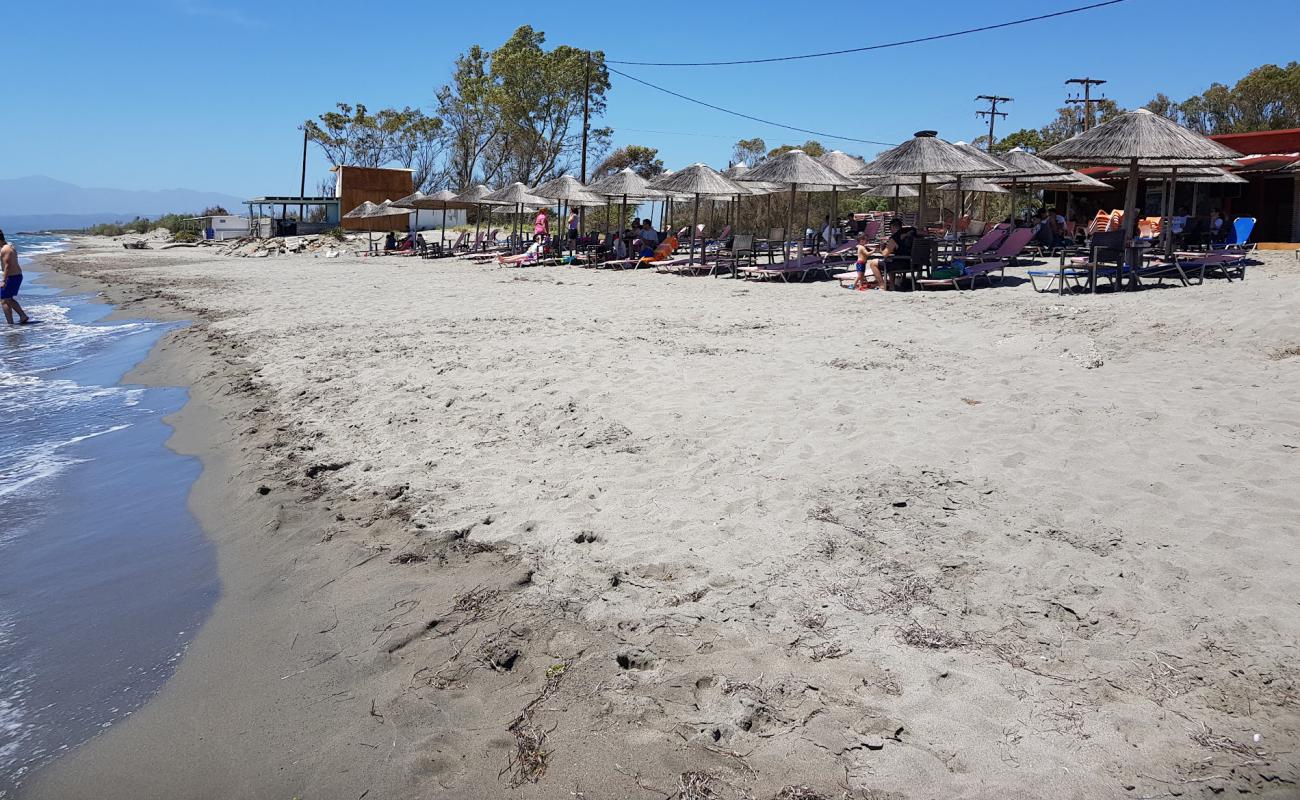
(404, 619)
(238, 519)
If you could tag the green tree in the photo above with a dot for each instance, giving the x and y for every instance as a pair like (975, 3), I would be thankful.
(515, 113)
(749, 151)
(1025, 138)
(353, 136)
(644, 161)
(1267, 98)
(1163, 105)
(471, 123)
(812, 147)
(539, 95)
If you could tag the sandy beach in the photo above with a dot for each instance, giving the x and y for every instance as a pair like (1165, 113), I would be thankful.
(552, 533)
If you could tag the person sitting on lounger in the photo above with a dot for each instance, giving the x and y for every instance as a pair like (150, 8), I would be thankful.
(663, 251)
(899, 246)
(390, 242)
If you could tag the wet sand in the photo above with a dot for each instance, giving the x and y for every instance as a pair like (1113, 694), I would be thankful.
(556, 533)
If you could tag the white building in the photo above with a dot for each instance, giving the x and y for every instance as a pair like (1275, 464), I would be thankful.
(222, 228)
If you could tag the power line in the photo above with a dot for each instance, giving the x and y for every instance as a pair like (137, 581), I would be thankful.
(902, 43)
(747, 116)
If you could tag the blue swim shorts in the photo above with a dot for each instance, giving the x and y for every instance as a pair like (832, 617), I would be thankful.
(10, 289)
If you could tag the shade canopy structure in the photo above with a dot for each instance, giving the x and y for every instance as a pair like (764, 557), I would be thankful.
(1139, 139)
(697, 180)
(1150, 138)
(518, 196)
(1024, 167)
(566, 190)
(925, 155)
(569, 189)
(891, 190)
(841, 162)
(369, 210)
(443, 200)
(977, 185)
(797, 170)
(625, 184)
(477, 195)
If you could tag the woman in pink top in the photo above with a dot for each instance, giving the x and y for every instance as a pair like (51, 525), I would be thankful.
(540, 226)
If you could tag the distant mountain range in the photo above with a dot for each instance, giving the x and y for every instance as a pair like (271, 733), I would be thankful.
(39, 203)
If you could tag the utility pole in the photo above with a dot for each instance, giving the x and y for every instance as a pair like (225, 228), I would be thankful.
(586, 128)
(992, 113)
(1087, 99)
(586, 116)
(302, 186)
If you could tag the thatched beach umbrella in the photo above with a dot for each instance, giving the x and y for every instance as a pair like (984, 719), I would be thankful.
(925, 155)
(626, 184)
(751, 188)
(844, 164)
(697, 180)
(565, 190)
(517, 195)
(796, 169)
(1139, 139)
(477, 195)
(1026, 168)
(444, 200)
(371, 211)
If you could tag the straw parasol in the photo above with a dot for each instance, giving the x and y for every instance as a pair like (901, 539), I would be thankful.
(926, 155)
(625, 183)
(893, 191)
(565, 191)
(844, 164)
(369, 210)
(698, 180)
(477, 196)
(797, 169)
(517, 195)
(443, 199)
(1139, 139)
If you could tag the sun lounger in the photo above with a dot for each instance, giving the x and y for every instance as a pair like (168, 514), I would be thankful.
(970, 274)
(801, 266)
(1009, 249)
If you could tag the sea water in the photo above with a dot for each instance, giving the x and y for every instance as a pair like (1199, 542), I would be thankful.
(104, 574)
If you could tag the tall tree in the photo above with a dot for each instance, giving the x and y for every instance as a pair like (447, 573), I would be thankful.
(750, 151)
(812, 147)
(353, 136)
(1267, 98)
(644, 161)
(515, 113)
(471, 123)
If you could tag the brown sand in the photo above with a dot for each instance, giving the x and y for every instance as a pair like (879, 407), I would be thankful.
(552, 533)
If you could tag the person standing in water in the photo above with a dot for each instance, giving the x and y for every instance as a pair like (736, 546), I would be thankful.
(11, 277)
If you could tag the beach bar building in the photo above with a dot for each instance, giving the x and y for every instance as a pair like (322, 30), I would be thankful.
(356, 185)
(274, 216)
(1271, 195)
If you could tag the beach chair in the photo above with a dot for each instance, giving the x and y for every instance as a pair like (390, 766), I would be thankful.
(802, 266)
(969, 274)
(910, 266)
(1107, 248)
(987, 242)
(1238, 236)
(1010, 247)
(774, 243)
(740, 255)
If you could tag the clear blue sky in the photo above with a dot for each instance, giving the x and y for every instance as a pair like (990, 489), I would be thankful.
(208, 94)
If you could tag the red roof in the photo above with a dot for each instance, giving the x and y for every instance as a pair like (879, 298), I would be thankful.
(1262, 142)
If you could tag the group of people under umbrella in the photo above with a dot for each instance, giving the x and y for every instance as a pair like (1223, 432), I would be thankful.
(1146, 145)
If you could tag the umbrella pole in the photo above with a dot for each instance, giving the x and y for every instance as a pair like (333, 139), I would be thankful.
(807, 215)
(894, 207)
(444, 223)
(789, 223)
(920, 212)
(478, 213)
(1166, 226)
(695, 219)
(622, 218)
(1195, 190)
(1130, 223)
(835, 217)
